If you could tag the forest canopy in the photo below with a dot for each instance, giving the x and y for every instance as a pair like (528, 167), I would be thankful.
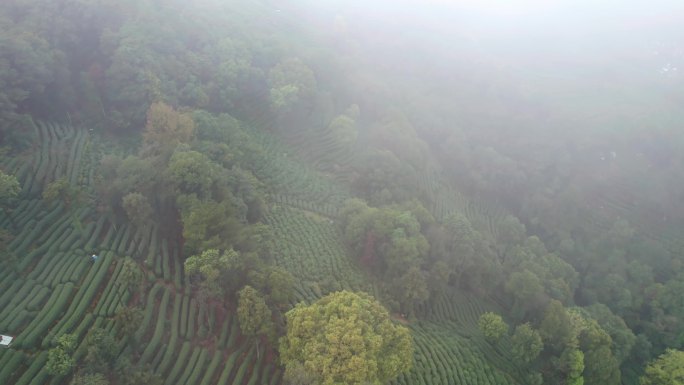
(341, 192)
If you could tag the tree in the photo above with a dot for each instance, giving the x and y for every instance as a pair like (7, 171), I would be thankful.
(292, 83)
(600, 366)
(165, 130)
(623, 339)
(7, 256)
(61, 190)
(60, 362)
(280, 285)
(492, 326)
(101, 351)
(138, 208)
(210, 267)
(132, 278)
(411, 289)
(298, 375)
(9, 187)
(510, 233)
(527, 291)
(345, 338)
(28, 64)
(571, 365)
(127, 321)
(253, 314)
(58, 189)
(557, 329)
(191, 172)
(667, 369)
(208, 224)
(526, 344)
(343, 127)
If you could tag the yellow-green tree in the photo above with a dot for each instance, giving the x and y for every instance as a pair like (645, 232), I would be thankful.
(9, 190)
(526, 344)
(668, 369)
(492, 326)
(61, 190)
(165, 130)
(9, 187)
(60, 360)
(253, 314)
(209, 270)
(345, 338)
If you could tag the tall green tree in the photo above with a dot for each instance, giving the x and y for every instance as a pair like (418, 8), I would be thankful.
(138, 208)
(492, 326)
(570, 366)
(667, 369)
(191, 172)
(557, 328)
(280, 286)
(293, 85)
(165, 130)
(211, 269)
(60, 360)
(345, 338)
(9, 190)
(254, 315)
(101, 351)
(127, 320)
(526, 344)
(9, 187)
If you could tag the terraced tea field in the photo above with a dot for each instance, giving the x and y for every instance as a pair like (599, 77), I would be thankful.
(54, 288)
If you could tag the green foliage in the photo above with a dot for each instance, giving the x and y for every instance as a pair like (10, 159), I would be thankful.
(60, 361)
(253, 313)
(571, 364)
(63, 191)
(667, 369)
(165, 130)
(527, 290)
(101, 351)
(208, 224)
(389, 242)
(492, 326)
(132, 278)
(600, 366)
(191, 172)
(344, 128)
(212, 267)
(9, 187)
(557, 329)
(623, 339)
(526, 344)
(127, 321)
(345, 338)
(292, 83)
(138, 208)
(411, 289)
(29, 64)
(298, 375)
(108, 62)
(280, 286)
(510, 233)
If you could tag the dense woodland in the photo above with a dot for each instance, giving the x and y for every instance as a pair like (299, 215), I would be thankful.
(305, 193)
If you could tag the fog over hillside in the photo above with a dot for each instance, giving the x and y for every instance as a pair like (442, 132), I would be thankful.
(307, 192)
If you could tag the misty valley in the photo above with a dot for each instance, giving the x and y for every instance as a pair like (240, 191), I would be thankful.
(333, 192)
